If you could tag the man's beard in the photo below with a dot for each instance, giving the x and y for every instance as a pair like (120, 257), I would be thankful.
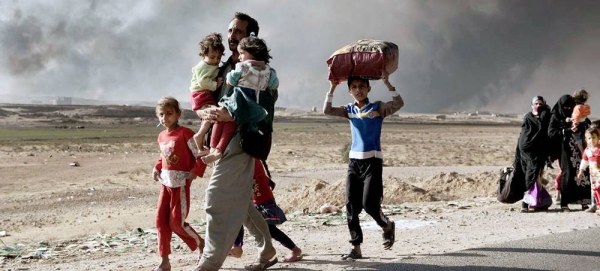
(233, 44)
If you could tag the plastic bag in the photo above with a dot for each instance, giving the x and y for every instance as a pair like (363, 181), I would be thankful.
(537, 197)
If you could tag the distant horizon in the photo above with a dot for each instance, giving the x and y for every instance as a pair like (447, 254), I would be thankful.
(77, 101)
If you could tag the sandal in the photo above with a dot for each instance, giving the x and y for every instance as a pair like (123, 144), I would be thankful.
(261, 265)
(352, 255)
(389, 236)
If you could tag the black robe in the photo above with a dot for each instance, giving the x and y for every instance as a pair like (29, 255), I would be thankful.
(573, 190)
(532, 149)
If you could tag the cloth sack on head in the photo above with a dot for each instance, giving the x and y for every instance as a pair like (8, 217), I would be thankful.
(364, 58)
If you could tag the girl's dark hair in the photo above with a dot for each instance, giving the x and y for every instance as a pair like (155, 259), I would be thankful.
(168, 102)
(213, 41)
(257, 47)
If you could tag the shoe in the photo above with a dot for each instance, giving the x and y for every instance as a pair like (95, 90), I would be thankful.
(389, 236)
(352, 255)
(591, 209)
(524, 210)
(565, 209)
(261, 265)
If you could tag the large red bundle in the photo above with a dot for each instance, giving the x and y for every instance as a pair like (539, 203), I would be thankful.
(365, 58)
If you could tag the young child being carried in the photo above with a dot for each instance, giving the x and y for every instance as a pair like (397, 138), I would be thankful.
(251, 76)
(179, 164)
(591, 160)
(580, 112)
(205, 81)
(364, 182)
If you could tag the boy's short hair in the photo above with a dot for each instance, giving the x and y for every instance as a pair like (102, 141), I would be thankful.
(357, 78)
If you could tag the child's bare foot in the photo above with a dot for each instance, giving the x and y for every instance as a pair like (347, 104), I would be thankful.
(236, 252)
(213, 156)
(199, 140)
(165, 265)
(294, 256)
(203, 151)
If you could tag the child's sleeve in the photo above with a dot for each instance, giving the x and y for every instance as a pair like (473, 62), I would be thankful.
(585, 161)
(586, 111)
(199, 166)
(273, 80)
(391, 107)
(158, 165)
(206, 77)
(576, 112)
(234, 76)
(328, 109)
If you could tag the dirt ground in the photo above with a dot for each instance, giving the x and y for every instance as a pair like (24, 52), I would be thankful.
(77, 192)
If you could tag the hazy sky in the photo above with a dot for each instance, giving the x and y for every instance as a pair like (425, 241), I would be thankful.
(454, 54)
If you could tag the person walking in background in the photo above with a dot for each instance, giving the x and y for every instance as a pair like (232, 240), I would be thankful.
(179, 164)
(204, 82)
(364, 183)
(590, 160)
(580, 113)
(532, 146)
(265, 202)
(573, 190)
(228, 196)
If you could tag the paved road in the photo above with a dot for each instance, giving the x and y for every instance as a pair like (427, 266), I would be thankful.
(572, 251)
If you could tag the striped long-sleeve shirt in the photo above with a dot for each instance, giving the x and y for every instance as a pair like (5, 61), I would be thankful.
(365, 123)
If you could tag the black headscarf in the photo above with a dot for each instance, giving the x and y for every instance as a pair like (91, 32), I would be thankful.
(559, 110)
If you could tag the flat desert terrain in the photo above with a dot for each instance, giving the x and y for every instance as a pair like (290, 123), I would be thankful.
(76, 191)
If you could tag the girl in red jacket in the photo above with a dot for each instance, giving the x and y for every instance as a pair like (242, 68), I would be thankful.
(177, 166)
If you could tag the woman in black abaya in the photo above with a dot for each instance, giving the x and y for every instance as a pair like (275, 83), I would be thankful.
(572, 189)
(532, 149)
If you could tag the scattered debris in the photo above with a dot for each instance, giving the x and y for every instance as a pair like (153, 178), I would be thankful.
(328, 208)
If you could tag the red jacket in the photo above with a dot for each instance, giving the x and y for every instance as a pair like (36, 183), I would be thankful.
(178, 157)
